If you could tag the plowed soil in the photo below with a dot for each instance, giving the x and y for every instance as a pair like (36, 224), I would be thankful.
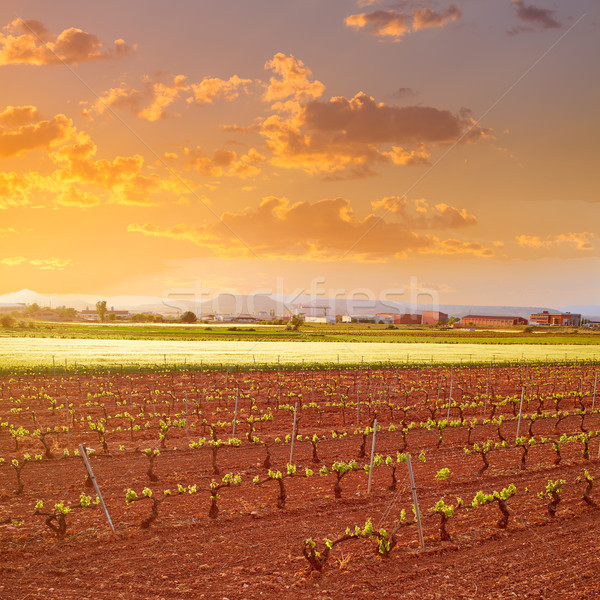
(254, 549)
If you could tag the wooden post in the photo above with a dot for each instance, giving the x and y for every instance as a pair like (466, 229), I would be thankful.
(68, 430)
(415, 500)
(187, 431)
(520, 411)
(237, 397)
(450, 398)
(357, 405)
(595, 385)
(372, 456)
(86, 462)
(53, 366)
(293, 434)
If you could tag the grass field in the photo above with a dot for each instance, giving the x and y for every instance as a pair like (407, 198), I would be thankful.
(350, 332)
(16, 353)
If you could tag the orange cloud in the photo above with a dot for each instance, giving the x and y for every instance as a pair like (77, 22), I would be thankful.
(224, 162)
(393, 24)
(150, 103)
(427, 17)
(14, 190)
(51, 264)
(18, 115)
(13, 261)
(382, 23)
(121, 179)
(347, 135)
(419, 214)
(43, 134)
(580, 241)
(46, 264)
(325, 230)
(211, 89)
(293, 82)
(29, 42)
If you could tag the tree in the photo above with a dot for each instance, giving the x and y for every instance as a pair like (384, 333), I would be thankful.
(188, 317)
(453, 320)
(101, 309)
(33, 308)
(295, 322)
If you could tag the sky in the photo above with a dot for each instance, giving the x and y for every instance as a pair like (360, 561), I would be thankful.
(338, 147)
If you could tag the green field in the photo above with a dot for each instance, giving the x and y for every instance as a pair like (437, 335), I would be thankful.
(351, 332)
(42, 353)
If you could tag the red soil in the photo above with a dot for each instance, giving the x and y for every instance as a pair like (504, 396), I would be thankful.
(253, 549)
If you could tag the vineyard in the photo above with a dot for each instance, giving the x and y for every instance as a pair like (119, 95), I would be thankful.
(231, 483)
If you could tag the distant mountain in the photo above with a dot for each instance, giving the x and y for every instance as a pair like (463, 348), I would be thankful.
(270, 304)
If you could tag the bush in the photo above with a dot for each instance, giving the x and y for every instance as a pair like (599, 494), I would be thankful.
(7, 321)
(188, 317)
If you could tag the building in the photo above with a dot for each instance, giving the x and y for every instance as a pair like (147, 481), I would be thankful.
(492, 321)
(319, 319)
(555, 319)
(398, 319)
(8, 308)
(433, 317)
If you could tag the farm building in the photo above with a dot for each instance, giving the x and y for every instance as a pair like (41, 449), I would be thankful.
(398, 319)
(492, 321)
(555, 319)
(319, 319)
(433, 317)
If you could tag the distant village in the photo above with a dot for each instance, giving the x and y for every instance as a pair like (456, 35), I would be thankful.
(18, 314)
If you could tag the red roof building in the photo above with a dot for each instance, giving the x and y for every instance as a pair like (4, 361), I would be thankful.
(492, 321)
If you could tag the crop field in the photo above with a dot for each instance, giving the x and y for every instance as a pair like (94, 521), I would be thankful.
(309, 332)
(50, 353)
(232, 483)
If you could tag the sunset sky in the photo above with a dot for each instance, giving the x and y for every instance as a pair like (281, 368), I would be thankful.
(254, 145)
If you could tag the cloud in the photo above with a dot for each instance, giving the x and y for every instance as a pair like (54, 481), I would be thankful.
(394, 24)
(73, 196)
(381, 23)
(419, 214)
(293, 81)
(13, 261)
(13, 116)
(324, 230)
(224, 162)
(579, 241)
(347, 135)
(149, 103)
(361, 119)
(427, 17)
(51, 264)
(536, 18)
(405, 92)
(29, 42)
(43, 134)
(211, 89)
(15, 190)
(46, 264)
(78, 179)
(121, 178)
